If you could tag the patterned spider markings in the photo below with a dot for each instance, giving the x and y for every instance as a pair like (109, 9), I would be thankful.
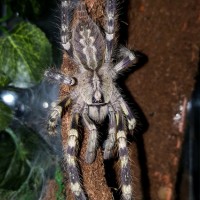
(95, 95)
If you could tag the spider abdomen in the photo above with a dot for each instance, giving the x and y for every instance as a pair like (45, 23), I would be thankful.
(88, 42)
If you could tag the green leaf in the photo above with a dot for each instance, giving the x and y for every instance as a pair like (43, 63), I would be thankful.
(59, 178)
(24, 54)
(26, 162)
(4, 80)
(5, 116)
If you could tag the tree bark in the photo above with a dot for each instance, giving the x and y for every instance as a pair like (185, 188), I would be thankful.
(93, 175)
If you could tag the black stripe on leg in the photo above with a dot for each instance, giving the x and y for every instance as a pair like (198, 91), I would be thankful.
(55, 114)
(55, 76)
(129, 116)
(124, 159)
(126, 179)
(66, 18)
(71, 159)
(73, 175)
(110, 142)
(110, 26)
(71, 151)
(53, 120)
(110, 14)
(92, 140)
(126, 62)
(125, 171)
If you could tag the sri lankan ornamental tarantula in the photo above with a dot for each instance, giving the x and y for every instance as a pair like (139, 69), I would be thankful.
(95, 95)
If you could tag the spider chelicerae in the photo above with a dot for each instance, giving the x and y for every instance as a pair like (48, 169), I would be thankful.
(95, 95)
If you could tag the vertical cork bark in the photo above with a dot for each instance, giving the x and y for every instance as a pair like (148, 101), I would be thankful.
(93, 175)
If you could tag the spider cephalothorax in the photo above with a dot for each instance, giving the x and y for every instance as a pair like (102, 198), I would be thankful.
(95, 95)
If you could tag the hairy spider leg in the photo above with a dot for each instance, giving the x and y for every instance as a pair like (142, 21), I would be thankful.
(110, 26)
(124, 158)
(55, 114)
(70, 153)
(110, 141)
(93, 137)
(53, 75)
(129, 116)
(67, 9)
(129, 58)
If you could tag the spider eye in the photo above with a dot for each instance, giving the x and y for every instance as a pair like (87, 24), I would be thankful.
(97, 98)
(73, 81)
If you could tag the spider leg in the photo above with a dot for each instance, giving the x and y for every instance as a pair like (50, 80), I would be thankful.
(71, 161)
(129, 58)
(129, 116)
(54, 75)
(110, 142)
(110, 28)
(124, 159)
(92, 140)
(67, 8)
(55, 114)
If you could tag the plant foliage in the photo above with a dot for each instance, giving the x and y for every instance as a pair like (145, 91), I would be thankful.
(24, 53)
(5, 116)
(23, 168)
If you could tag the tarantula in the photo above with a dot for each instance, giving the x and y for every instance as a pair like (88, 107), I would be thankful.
(95, 95)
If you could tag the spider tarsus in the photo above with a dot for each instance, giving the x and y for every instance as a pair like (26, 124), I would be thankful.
(127, 192)
(52, 131)
(90, 157)
(107, 155)
(81, 197)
